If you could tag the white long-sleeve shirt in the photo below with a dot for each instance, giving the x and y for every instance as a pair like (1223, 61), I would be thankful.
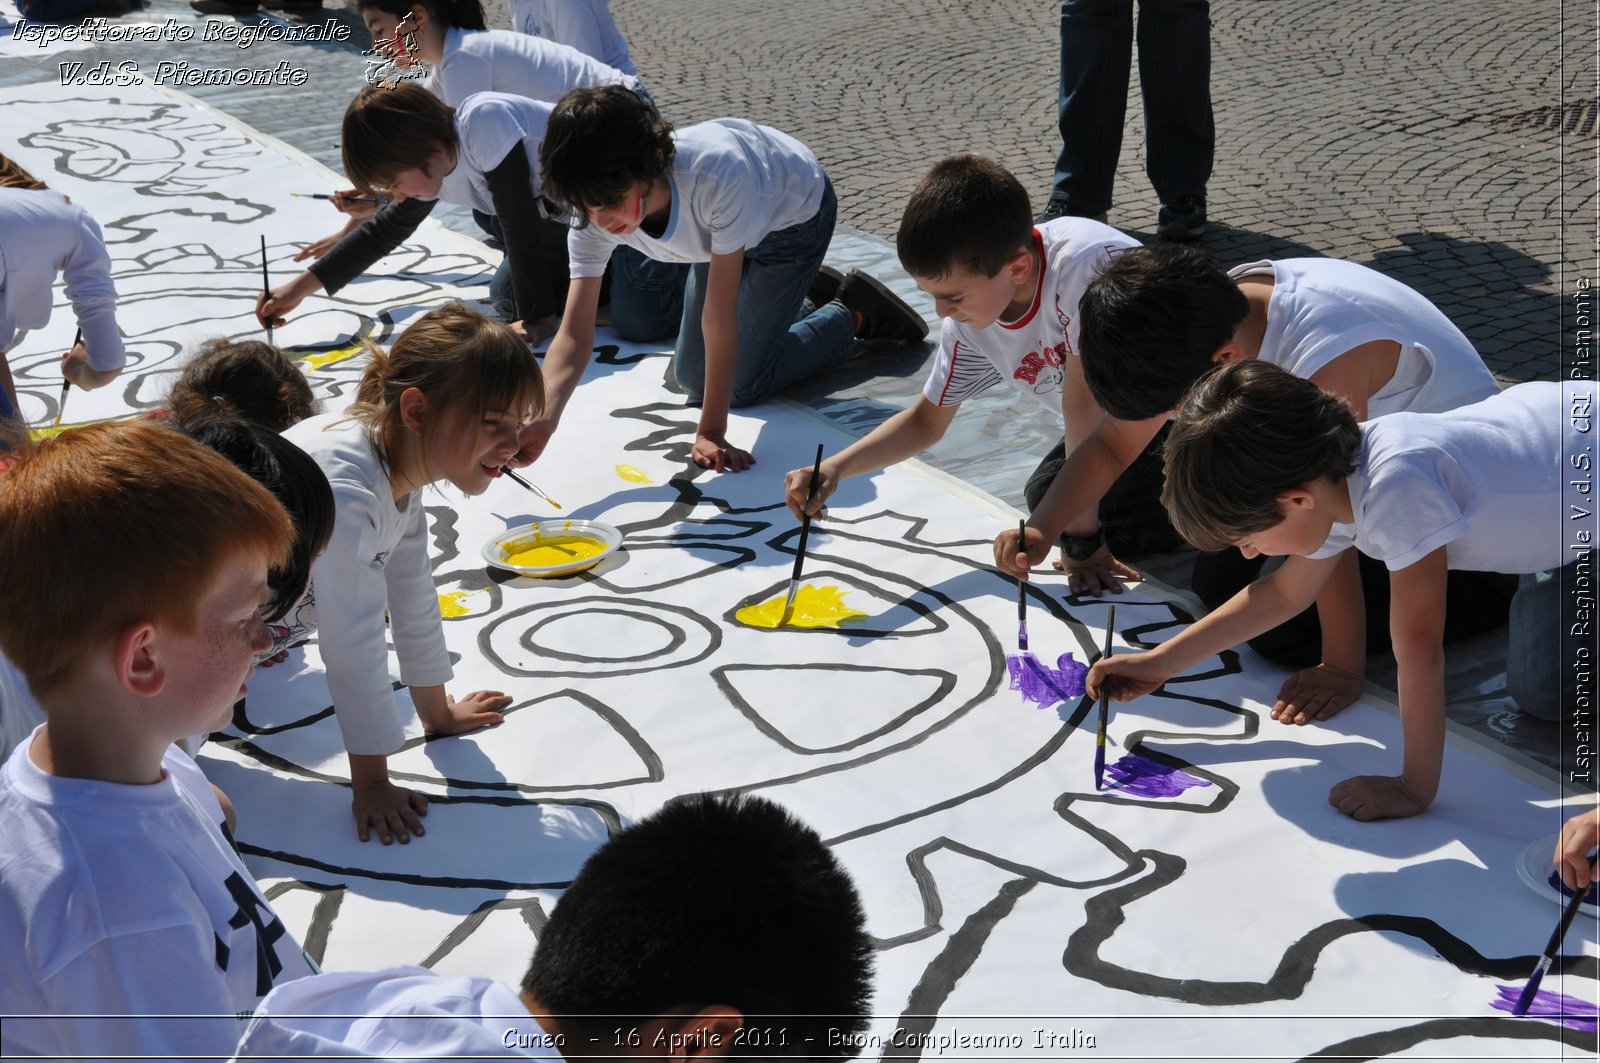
(43, 236)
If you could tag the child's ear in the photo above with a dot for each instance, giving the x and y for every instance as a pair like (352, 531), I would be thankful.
(702, 1035)
(1227, 354)
(413, 409)
(138, 667)
(1019, 265)
(1301, 497)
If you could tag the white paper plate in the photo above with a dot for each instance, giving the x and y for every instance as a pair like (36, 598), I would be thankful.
(1535, 867)
(498, 551)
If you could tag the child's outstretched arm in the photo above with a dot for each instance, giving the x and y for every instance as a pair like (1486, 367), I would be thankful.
(564, 364)
(1416, 624)
(719, 322)
(1577, 840)
(906, 434)
(355, 250)
(1266, 603)
(97, 359)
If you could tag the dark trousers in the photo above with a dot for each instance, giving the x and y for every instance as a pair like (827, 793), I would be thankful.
(1131, 513)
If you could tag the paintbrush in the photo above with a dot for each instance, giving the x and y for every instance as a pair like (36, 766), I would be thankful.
(529, 485)
(1022, 591)
(380, 200)
(266, 287)
(1550, 950)
(66, 386)
(800, 551)
(1105, 703)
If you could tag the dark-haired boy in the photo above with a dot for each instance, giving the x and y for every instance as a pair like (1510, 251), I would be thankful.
(1158, 318)
(1274, 464)
(1008, 293)
(718, 926)
(135, 566)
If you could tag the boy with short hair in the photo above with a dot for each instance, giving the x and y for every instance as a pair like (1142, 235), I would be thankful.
(1156, 320)
(135, 565)
(1008, 293)
(1274, 464)
(718, 926)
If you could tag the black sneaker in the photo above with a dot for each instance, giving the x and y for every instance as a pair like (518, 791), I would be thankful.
(1183, 219)
(825, 286)
(1060, 208)
(886, 316)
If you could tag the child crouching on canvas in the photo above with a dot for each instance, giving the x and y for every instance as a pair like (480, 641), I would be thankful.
(1269, 462)
(135, 563)
(443, 405)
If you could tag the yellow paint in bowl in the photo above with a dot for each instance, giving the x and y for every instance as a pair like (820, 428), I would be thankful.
(813, 607)
(633, 474)
(542, 551)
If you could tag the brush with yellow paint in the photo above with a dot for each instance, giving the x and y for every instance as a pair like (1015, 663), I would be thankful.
(66, 386)
(800, 549)
(529, 485)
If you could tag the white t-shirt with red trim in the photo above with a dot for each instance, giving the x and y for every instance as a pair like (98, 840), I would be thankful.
(1029, 352)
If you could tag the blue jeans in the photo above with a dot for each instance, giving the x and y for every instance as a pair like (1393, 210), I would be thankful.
(646, 295)
(1175, 73)
(779, 343)
(1551, 643)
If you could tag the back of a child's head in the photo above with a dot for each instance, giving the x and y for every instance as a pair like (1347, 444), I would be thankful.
(598, 142)
(1247, 432)
(111, 525)
(1150, 324)
(969, 213)
(13, 175)
(242, 378)
(390, 129)
(713, 900)
(461, 361)
(465, 14)
(293, 478)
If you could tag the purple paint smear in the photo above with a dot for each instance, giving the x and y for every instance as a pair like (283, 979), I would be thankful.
(1042, 684)
(1143, 777)
(1569, 1011)
(1592, 897)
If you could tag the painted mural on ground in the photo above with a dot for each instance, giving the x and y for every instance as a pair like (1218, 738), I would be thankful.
(1206, 903)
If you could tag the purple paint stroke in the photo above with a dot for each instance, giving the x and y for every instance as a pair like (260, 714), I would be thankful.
(1042, 684)
(1590, 898)
(1143, 777)
(1575, 1012)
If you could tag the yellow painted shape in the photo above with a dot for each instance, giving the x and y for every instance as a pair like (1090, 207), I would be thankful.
(543, 551)
(633, 474)
(320, 359)
(38, 434)
(813, 607)
(455, 603)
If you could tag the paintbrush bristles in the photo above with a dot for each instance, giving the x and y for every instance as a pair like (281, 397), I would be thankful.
(1551, 948)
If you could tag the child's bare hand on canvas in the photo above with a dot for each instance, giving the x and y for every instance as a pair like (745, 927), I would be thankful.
(318, 248)
(1097, 573)
(481, 708)
(392, 811)
(1577, 840)
(1368, 797)
(713, 451)
(1316, 693)
(537, 333)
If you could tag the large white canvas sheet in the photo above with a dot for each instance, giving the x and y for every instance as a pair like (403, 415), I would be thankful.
(1221, 911)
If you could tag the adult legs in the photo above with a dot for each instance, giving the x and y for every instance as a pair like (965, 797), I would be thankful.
(1096, 53)
(776, 345)
(1175, 77)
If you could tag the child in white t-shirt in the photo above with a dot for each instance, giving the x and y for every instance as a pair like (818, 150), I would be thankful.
(128, 924)
(720, 923)
(750, 210)
(1274, 464)
(1008, 293)
(42, 236)
(586, 25)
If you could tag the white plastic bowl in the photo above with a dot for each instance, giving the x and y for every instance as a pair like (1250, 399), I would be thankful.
(498, 551)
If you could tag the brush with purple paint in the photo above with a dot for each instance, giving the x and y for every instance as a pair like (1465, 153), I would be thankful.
(1022, 590)
(1105, 705)
(1550, 951)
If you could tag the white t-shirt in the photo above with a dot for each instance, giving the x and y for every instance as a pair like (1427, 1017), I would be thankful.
(128, 901)
(377, 558)
(488, 126)
(1028, 353)
(733, 182)
(42, 235)
(397, 1013)
(1322, 307)
(586, 25)
(1485, 481)
(19, 711)
(519, 65)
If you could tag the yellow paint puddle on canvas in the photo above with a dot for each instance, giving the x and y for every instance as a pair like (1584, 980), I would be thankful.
(455, 603)
(50, 431)
(549, 550)
(633, 474)
(814, 606)
(319, 359)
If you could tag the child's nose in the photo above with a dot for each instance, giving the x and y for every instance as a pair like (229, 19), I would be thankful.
(260, 638)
